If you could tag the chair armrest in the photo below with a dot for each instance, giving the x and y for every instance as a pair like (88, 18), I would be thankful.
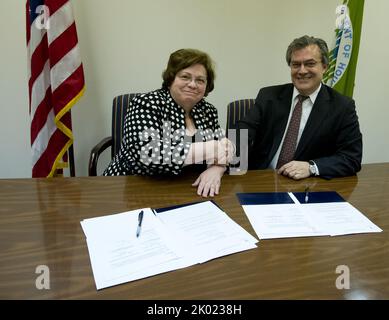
(95, 154)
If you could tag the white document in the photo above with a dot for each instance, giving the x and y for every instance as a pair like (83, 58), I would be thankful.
(307, 219)
(174, 239)
(118, 256)
(338, 218)
(281, 221)
(207, 231)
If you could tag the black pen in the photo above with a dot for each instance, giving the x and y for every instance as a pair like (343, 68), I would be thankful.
(140, 220)
(306, 194)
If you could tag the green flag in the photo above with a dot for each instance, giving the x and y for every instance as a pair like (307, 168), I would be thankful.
(344, 54)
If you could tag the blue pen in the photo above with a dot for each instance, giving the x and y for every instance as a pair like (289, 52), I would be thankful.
(140, 220)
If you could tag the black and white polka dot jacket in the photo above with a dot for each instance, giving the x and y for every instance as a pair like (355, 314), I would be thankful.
(154, 140)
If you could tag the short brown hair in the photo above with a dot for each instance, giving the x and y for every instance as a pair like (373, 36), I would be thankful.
(305, 41)
(185, 58)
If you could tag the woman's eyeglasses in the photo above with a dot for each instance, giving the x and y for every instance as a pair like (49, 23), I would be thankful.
(200, 81)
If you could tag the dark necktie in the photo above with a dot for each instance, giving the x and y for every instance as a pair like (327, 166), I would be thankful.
(289, 146)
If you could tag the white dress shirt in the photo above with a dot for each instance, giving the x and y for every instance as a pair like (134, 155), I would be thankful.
(306, 111)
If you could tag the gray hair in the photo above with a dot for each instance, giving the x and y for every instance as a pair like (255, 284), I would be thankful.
(305, 41)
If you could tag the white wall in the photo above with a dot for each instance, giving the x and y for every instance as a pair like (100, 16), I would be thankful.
(371, 91)
(125, 46)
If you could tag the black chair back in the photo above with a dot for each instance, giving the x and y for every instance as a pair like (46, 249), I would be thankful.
(237, 110)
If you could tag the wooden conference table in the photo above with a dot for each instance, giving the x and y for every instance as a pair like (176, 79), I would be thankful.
(40, 225)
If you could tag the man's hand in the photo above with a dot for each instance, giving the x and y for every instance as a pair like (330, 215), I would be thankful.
(217, 152)
(208, 183)
(296, 170)
(225, 152)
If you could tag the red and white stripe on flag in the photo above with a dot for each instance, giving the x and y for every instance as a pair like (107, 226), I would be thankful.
(56, 81)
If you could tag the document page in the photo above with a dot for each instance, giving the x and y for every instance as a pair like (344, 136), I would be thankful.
(207, 231)
(281, 221)
(118, 255)
(340, 218)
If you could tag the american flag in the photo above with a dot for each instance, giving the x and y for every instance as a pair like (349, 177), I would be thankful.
(56, 81)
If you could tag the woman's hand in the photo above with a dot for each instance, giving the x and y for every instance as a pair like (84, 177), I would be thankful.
(208, 183)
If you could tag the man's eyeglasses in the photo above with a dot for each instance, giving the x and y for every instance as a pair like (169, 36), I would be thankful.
(200, 81)
(307, 64)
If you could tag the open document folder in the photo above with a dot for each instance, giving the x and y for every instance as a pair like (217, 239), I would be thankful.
(301, 214)
(169, 239)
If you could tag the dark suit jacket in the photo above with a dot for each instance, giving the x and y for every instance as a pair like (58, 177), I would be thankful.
(331, 136)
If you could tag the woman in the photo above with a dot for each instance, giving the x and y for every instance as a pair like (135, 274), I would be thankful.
(168, 129)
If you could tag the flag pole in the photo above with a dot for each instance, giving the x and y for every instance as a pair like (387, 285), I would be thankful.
(71, 161)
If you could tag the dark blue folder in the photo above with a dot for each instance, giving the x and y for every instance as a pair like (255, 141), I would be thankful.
(264, 198)
(284, 198)
(319, 197)
(159, 210)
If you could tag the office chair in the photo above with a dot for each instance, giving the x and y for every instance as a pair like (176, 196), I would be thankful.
(119, 108)
(236, 110)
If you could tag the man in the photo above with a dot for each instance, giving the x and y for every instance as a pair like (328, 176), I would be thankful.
(329, 142)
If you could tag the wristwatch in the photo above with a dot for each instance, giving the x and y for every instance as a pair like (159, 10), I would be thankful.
(312, 168)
